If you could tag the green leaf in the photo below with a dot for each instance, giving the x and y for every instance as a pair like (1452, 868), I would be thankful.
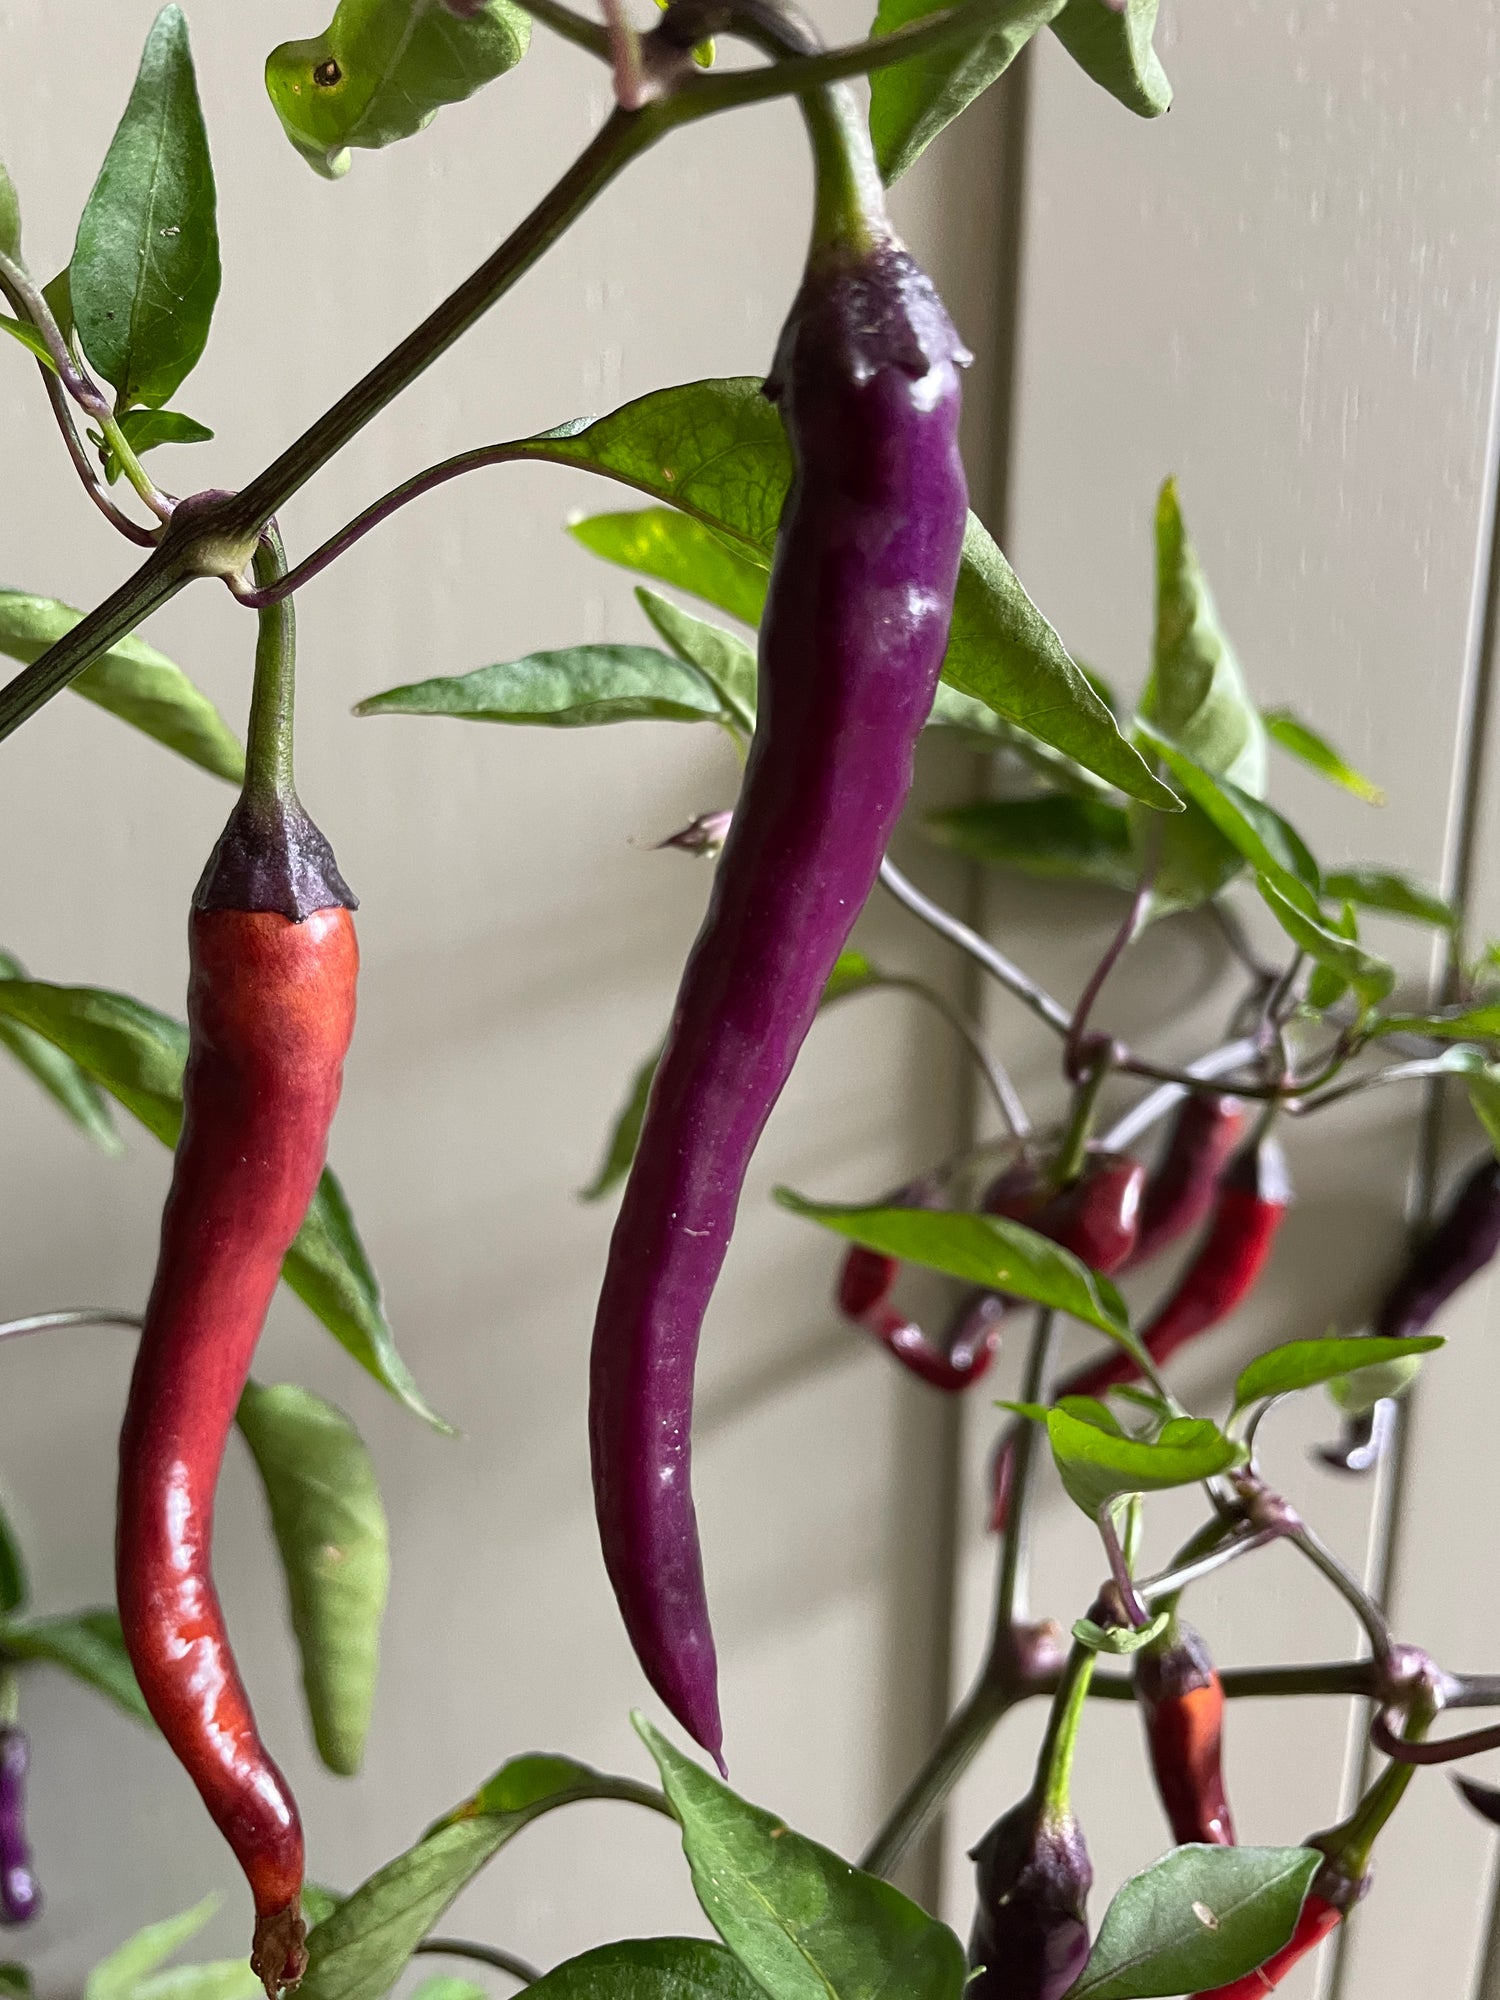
(116, 1977)
(980, 1249)
(1484, 1101)
(318, 1902)
(10, 217)
(1359, 1391)
(26, 333)
(804, 1923)
(382, 69)
(676, 549)
(1120, 1641)
(650, 1969)
(87, 1644)
(1302, 1364)
(220, 1979)
(1097, 1464)
(15, 1982)
(725, 661)
(1197, 1919)
(445, 1987)
(1293, 735)
(359, 1951)
(717, 451)
(145, 269)
(1257, 833)
(1113, 44)
(14, 1589)
(144, 430)
(138, 1056)
(1395, 894)
(331, 1530)
(1052, 837)
(1472, 1024)
(58, 1075)
(852, 973)
(572, 689)
(912, 101)
(132, 680)
(1371, 977)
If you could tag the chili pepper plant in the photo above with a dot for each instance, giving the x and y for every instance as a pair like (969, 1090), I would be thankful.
(818, 512)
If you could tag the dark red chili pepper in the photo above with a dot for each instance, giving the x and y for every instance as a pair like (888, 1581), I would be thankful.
(1180, 1193)
(1318, 1920)
(1252, 1201)
(1030, 1938)
(1095, 1219)
(1461, 1243)
(855, 625)
(20, 1899)
(1182, 1705)
(272, 967)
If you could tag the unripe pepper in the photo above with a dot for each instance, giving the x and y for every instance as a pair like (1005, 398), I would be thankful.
(855, 626)
(20, 1899)
(273, 962)
(1461, 1243)
(1182, 1705)
(1252, 1202)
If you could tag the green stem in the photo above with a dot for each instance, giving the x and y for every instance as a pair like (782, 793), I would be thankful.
(1010, 1585)
(1348, 1845)
(132, 468)
(10, 1696)
(268, 742)
(1054, 1764)
(158, 580)
(507, 1962)
(1070, 1156)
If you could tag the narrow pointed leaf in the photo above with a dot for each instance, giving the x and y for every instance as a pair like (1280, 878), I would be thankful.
(1303, 1364)
(1052, 837)
(132, 680)
(1392, 893)
(723, 659)
(650, 1969)
(911, 102)
(87, 1644)
(23, 331)
(1113, 44)
(116, 1977)
(676, 549)
(1371, 977)
(10, 217)
(577, 688)
(382, 69)
(58, 1074)
(1257, 832)
(330, 1528)
(13, 1586)
(219, 1979)
(145, 268)
(1299, 740)
(803, 1922)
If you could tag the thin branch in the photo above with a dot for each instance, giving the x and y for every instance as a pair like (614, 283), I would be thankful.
(520, 1969)
(1346, 1584)
(69, 1316)
(29, 302)
(1207, 1071)
(1171, 1582)
(83, 465)
(997, 1077)
(573, 27)
(1010, 1582)
(984, 954)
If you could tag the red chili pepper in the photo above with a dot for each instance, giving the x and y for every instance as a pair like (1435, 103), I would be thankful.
(856, 623)
(1319, 1919)
(1182, 1705)
(1180, 1193)
(1253, 1199)
(273, 962)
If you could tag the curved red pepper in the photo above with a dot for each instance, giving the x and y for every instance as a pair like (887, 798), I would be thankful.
(1253, 1199)
(1180, 1192)
(855, 626)
(1182, 1705)
(1319, 1920)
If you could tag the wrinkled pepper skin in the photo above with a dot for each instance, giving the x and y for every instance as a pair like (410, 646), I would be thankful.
(1319, 1920)
(855, 626)
(20, 1899)
(270, 1015)
(1250, 1207)
(1180, 1193)
(1182, 1706)
(1032, 1882)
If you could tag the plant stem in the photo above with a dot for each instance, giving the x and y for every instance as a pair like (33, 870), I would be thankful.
(1054, 1764)
(1073, 1149)
(984, 954)
(1010, 1581)
(1207, 1072)
(62, 410)
(575, 28)
(12, 1329)
(1346, 1584)
(1118, 945)
(268, 741)
(482, 1954)
(1157, 1590)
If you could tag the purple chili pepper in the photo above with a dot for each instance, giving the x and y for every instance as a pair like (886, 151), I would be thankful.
(1030, 1938)
(20, 1899)
(855, 626)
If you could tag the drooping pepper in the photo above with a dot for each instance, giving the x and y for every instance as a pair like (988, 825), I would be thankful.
(1460, 1244)
(1182, 1706)
(1180, 1192)
(1318, 1920)
(1094, 1218)
(1252, 1202)
(20, 1899)
(855, 626)
(273, 962)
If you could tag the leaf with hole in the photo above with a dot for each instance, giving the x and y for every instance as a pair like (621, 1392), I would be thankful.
(383, 69)
(804, 1923)
(144, 275)
(1197, 1919)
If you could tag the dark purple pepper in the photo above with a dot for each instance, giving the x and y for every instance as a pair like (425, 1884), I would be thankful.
(20, 1899)
(855, 626)
(1030, 1938)
(1460, 1244)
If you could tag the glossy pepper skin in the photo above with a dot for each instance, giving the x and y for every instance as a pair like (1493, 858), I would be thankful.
(273, 963)
(20, 1899)
(1319, 1920)
(1094, 1218)
(1031, 1934)
(1182, 1706)
(1180, 1193)
(855, 626)
(1251, 1205)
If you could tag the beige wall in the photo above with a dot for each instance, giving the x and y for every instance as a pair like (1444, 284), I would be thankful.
(1286, 293)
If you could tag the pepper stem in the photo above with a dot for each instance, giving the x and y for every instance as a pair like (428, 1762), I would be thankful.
(1054, 1766)
(1348, 1845)
(268, 746)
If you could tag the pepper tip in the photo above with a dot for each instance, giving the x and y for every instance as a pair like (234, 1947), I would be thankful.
(278, 1953)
